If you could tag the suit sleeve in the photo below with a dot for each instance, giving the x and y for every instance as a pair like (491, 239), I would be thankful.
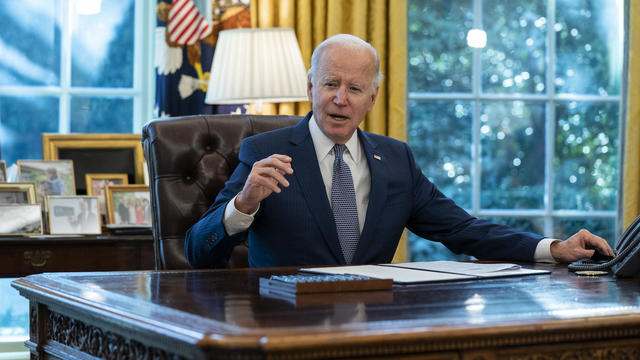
(207, 243)
(436, 217)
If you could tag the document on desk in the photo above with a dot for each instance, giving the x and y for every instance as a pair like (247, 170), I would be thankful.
(481, 270)
(429, 271)
(398, 274)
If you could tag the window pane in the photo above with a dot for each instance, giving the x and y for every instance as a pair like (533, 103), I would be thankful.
(514, 58)
(94, 115)
(440, 137)
(426, 250)
(586, 159)
(565, 227)
(589, 46)
(530, 224)
(102, 46)
(22, 120)
(29, 42)
(14, 313)
(437, 45)
(512, 137)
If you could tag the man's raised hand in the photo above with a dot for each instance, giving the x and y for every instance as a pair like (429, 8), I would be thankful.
(265, 178)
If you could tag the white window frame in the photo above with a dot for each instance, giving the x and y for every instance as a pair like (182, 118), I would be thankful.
(548, 213)
(142, 91)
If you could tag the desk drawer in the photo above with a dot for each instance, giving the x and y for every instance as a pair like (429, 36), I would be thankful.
(91, 255)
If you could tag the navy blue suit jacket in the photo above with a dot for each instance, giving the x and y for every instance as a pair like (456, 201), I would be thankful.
(296, 226)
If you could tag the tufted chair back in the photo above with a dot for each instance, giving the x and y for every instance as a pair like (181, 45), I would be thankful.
(189, 160)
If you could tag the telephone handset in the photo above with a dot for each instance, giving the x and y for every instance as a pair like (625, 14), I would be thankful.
(627, 261)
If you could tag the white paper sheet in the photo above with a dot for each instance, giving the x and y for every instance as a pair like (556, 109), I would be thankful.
(399, 275)
(429, 271)
(469, 268)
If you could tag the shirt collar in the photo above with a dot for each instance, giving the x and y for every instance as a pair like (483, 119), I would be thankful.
(324, 145)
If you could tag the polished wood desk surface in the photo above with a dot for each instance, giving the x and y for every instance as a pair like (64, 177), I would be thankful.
(220, 313)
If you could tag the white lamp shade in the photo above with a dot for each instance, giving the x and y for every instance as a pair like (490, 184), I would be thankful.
(257, 65)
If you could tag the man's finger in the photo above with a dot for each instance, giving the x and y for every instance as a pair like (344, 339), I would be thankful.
(280, 162)
(596, 242)
(266, 182)
(273, 173)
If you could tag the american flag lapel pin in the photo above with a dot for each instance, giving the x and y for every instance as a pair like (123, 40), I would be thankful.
(377, 157)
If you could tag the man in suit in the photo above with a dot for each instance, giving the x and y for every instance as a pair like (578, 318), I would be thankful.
(283, 191)
(86, 221)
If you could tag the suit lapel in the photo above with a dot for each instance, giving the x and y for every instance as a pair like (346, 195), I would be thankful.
(308, 175)
(377, 196)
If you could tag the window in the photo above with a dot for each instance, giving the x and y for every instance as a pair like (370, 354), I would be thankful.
(72, 66)
(525, 130)
(68, 66)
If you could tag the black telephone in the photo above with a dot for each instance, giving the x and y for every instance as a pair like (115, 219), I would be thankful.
(627, 261)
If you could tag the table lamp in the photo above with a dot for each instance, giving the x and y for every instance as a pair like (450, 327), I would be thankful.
(257, 65)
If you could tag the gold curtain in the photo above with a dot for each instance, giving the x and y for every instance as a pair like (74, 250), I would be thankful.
(631, 180)
(382, 23)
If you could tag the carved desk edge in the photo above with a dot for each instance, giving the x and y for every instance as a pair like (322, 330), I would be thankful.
(109, 342)
(55, 326)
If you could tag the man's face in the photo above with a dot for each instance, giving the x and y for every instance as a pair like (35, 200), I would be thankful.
(341, 92)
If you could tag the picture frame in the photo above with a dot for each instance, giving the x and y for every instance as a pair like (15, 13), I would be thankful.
(18, 193)
(3, 171)
(97, 154)
(74, 215)
(128, 205)
(145, 171)
(97, 182)
(20, 219)
(52, 177)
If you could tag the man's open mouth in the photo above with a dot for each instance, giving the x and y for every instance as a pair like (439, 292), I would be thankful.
(338, 117)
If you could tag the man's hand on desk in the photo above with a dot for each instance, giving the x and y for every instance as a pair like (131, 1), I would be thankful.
(579, 246)
(265, 177)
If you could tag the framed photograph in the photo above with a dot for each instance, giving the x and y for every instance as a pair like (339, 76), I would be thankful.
(128, 205)
(3, 171)
(97, 182)
(20, 219)
(18, 193)
(51, 177)
(73, 215)
(97, 154)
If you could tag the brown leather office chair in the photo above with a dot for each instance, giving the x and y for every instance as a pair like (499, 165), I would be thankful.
(189, 160)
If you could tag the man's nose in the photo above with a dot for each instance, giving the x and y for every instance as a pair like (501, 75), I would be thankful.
(341, 97)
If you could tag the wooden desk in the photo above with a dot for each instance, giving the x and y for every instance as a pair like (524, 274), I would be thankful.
(221, 315)
(23, 256)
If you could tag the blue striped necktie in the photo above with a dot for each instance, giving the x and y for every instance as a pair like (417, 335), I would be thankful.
(343, 202)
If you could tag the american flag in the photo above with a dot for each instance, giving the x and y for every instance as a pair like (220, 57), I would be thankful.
(186, 25)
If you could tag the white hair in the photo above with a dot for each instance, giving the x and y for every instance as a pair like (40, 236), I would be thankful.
(350, 42)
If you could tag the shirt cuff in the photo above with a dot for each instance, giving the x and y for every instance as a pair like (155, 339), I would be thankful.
(236, 221)
(543, 251)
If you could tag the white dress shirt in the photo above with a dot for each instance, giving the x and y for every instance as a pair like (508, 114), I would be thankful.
(236, 221)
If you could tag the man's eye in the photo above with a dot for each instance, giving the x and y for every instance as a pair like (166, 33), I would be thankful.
(330, 84)
(355, 89)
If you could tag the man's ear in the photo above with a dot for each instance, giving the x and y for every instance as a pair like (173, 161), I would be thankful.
(309, 86)
(374, 96)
